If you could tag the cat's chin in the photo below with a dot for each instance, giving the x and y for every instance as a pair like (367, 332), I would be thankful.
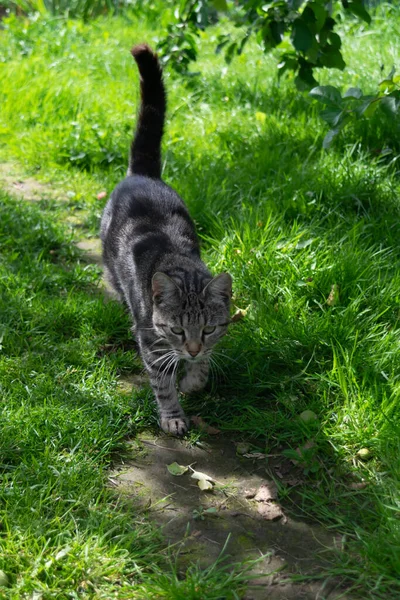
(194, 359)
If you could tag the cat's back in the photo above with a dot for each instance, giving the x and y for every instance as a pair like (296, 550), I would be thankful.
(140, 202)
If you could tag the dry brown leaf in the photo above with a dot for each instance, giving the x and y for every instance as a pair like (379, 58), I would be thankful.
(239, 315)
(270, 511)
(358, 485)
(293, 481)
(201, 424)
(266, 492)
(333, 297)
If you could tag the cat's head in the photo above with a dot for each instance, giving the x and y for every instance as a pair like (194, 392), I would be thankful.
(191, 322)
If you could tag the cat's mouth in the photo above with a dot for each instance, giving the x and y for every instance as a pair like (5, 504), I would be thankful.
(193, 359)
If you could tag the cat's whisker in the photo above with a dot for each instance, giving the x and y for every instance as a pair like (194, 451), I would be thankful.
(165, 356)
(174, 372)
(157, 350)
(216, 368)
(157, 341)
(166, 373)
(225, 356)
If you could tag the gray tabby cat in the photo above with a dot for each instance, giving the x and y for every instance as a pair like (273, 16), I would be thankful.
(152, 258)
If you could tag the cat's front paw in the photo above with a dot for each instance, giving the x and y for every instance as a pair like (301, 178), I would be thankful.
(177, 426)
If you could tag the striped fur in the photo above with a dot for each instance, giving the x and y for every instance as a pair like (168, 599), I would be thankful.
(152, 258)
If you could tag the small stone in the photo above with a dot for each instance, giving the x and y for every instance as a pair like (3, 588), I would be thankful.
(266, 492)
(249, 493)
(270, 511)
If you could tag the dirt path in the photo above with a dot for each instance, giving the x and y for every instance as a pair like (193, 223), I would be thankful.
(176, 503)
(200, 522)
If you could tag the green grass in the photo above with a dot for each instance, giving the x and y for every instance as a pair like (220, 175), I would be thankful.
(285, 218)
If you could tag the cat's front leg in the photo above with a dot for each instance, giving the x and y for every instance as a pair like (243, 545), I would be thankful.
(195, 378)
(163, 382)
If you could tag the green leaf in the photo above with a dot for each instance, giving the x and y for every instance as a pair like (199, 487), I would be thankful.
(220, 5)
(335, 40)
(367, 106)
(353, 92)
(288, 61)
(387, 85)
(332, 58)
(176, 469)
(302, 37)
(356, 8)
(391, 104)
(304, 80)
(230, 52)
(332, 115)
(327, 94)
(328, 139)
(320, 14)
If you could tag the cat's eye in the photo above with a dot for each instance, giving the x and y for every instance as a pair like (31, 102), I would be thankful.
(209, 329)
(177, 330)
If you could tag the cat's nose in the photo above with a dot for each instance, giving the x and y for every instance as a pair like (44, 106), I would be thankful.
(193, 348)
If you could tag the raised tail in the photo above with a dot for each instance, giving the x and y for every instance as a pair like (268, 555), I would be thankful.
(145, 156)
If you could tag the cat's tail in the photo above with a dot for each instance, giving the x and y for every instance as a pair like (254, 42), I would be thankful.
(145, 156)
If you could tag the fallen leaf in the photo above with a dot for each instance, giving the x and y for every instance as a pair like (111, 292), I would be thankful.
(270, 511)
(196, 533)
(199, 475)
(266, 492)
(256, 455)
(358, 485)
(203, 480)
(204, 484)
(101, 195)
(199, 422)
(239, 314)
(333, 297)
(176, 469)
(292, 481)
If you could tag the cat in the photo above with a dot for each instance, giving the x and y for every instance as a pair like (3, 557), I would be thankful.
(151, 257)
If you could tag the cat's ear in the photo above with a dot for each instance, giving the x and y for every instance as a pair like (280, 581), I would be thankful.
(163, 287)
(220, 286)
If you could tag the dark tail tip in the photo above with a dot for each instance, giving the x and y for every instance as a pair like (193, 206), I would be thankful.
(146, 59)
(145, 158)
